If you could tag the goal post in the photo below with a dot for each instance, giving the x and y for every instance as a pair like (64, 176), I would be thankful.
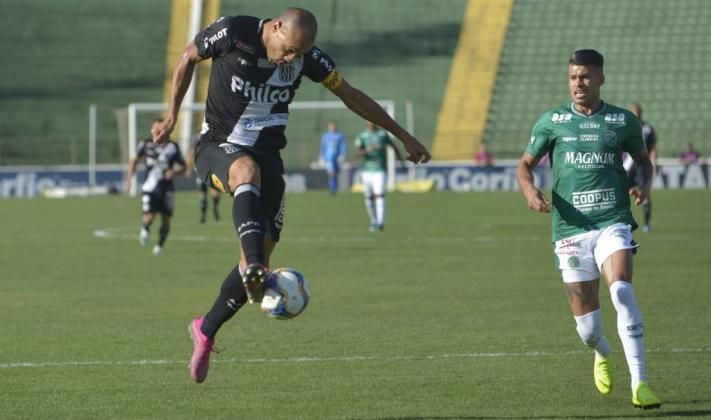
(303, 129)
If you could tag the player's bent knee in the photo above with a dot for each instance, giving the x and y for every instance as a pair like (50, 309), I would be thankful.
(589, 327)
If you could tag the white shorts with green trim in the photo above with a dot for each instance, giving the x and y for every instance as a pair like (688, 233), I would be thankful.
(580, 257)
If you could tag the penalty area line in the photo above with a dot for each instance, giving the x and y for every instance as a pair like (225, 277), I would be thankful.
(345, 359)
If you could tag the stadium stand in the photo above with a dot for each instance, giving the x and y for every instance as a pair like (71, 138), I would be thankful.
(63, 55)
(59, 57)
(656, 53)
(71, 53)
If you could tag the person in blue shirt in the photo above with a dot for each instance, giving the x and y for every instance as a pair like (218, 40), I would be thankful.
(333, 152)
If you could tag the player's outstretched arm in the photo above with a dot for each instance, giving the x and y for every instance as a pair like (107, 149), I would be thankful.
(366, 107)
(644, 164)
(130, 173)
(524, 174)
(181, 81)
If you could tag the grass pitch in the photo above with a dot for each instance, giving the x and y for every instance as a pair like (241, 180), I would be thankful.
(454, 311)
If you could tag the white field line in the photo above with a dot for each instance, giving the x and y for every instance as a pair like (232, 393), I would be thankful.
(122, 234)
(316, 359)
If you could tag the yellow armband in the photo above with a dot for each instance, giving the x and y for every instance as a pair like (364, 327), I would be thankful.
(333, 80)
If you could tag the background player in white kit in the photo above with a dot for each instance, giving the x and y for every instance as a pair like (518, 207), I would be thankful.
(162, 161)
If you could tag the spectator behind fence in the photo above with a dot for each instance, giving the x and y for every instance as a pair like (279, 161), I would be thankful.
(689, 155)
(483, 157)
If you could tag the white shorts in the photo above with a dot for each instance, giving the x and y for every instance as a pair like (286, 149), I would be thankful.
(373, 183)
(580, 257)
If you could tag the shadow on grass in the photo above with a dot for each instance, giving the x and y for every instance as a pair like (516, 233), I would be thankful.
(637, 414)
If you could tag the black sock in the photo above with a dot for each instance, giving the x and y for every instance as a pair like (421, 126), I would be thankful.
(248, 218)
(203, 206)
(232, 297)
(647, 207)
(146, 226)
(163, 234)
(215, 208)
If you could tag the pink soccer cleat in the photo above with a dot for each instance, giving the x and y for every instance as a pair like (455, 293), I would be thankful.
(200, 362)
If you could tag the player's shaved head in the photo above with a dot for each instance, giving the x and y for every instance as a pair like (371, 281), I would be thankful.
(299, 22)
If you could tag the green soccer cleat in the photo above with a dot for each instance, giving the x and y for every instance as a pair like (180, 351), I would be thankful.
(602, 373)
(644, 398)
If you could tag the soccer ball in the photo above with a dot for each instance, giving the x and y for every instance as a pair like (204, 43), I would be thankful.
(286, 294)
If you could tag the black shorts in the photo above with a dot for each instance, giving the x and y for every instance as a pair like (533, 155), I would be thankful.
(157, 202)
(213, 160)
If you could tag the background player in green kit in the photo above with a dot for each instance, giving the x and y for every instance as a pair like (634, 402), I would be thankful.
(372, 146)
(592, 221)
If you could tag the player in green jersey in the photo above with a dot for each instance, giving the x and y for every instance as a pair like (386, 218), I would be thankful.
(592, 221)
(371, 145)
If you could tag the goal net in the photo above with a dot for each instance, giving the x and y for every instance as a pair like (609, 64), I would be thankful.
(307, 122)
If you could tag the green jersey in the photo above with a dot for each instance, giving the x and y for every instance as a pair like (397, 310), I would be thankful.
(375, 143)
(590, 188)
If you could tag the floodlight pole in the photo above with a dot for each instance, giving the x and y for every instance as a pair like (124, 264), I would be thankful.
(186, 127)
(92, 145)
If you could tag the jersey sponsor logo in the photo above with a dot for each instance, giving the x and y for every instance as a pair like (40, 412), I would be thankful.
(262, 121)
(589, 124)
(264, 63)
(212, 39)
(326, 64)
(333, 80)
(533, 138)
(616, 118)
(245, 47)
(279, 218)
(561, 118)
(593, 159)
(217, 183)
(589, 137)
(568, 139)
(260, 93)
(610, 138)
(594, 200)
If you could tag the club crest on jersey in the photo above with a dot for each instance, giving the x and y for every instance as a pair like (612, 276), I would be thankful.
(610, 138)
(217, 183)
(287, 73)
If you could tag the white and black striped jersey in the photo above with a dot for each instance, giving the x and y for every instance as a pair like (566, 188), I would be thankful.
(159, 158)
(248, 97)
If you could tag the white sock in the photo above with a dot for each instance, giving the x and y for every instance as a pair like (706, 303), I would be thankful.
(380, 210)
(370, 207)
(590, 331)
(630, 328)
